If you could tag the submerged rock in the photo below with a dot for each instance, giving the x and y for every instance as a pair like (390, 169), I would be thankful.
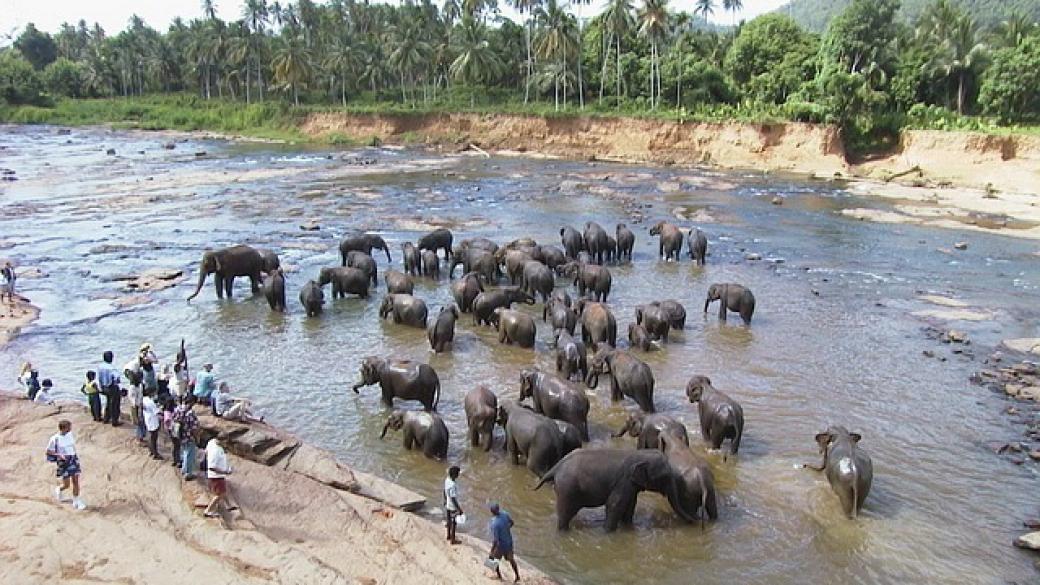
(1029, 541)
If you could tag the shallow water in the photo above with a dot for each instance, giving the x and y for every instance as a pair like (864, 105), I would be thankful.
(943, 509)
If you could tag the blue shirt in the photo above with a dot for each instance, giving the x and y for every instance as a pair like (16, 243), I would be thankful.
(205, 384)
(107, 375)
(501, 535)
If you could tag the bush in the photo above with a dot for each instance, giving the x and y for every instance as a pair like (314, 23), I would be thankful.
(19, 82)
(65, 78)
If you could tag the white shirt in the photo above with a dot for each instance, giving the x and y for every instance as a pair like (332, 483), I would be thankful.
(180, 383)
(451, 494)
(135, 394)
(215, 458)
(62, 444)
(151, 414)
(43, 397)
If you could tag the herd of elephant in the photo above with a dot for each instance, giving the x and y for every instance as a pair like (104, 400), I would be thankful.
(548, 434)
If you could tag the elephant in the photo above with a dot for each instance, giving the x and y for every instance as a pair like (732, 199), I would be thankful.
(398, 283)
(312, 298)
(538, 438)
(431, 264)
(412, 260)
(648, 428)
(611, 254)
(362, 261)
(589, 478)
(696, 481)
(441, 332)
(406, 309)
(629, 376)
(466, 290)
(438, 239)
(849, 470)
(626, 241)
(671, 240)
(675, 313)
(424, 430)
(363, 242)
(226, 264)
(563, 318)
(527, 245)
(514, 327)
(721, 417)
(571, 357)
(402, 379)
(593, 278)
(552, 256)
(537, 278)
(732, 297)
(595, 241)
(697, 243)
(654, 320)
(345, 280)
(597, 324)
(274, 290)
(476, 244)
(556, 399)
(572, 240)
(638, 337)
(485, 303)
(513, 261)
(481, 406)
(271, 261)
(476, 260)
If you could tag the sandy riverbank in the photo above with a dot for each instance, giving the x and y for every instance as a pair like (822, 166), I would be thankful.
(14, 316)
(143, 524)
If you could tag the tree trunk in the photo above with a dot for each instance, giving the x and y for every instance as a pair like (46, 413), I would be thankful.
(295, 95)
(343, 91)
(960, 93)
(619, 72)
(606, 64)
(259, 80)
(581, 80)
(527, 38)
(247, 83)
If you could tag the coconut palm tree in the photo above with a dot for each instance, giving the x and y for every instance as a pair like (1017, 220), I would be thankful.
(476, 61)
(409, 55)
(527, 8)
(655, 23)
(292, 66)
(1013, 30)
(617, 21)
(704, 8)
(343, 61)
(961, 57)
(733, 7)
(557, 41)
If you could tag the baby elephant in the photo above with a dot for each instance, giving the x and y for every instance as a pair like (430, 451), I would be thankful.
(849, 470)
(441, 332)
(731, 297)
(648, 428)
(424, 430)
(721, 417)
(481, 407)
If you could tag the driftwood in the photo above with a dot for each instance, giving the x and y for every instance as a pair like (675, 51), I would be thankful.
(480, 150)
(892, 177)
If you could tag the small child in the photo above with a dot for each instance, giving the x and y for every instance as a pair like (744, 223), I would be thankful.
(93, 392)
(61, 449)
(44, 395)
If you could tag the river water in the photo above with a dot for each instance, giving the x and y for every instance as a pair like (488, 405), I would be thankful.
(943, 508)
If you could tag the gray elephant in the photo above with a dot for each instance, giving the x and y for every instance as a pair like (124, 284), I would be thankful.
(398, 283)
(597, 324)
(363, 242)
(590, 278)
(476, 244)
(485, 303)
(552, 256)
(638, 337)
(476, 260)
(849, 470)
(674, 312)
(411, 258)
(629, 376)
(596, 241)
(438, 239)
(364, 262)
(226, 264)
(312, 298)
(671, 240)
(696, 481)
(561, 316)
(647, 428)
(514, 327)
(421, 430)
(431, 264)
(535, 437)
(405, 309)
(441, 332)
(465, 290)
(589, 478)
(721, 417)
(402, 379)
(537, 278)
(556, 399)
(514, 262)
(345, 280)
(572, 240)
(571, 357)
(274, 290)
(626, 241)
(654, 320)
(271, 260)
(481, 406)
(698, 246)
(731, 297)
(611, 254)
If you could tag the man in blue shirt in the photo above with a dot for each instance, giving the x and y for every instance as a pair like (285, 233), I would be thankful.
(205, 384)
(502, 539)
(108, 382)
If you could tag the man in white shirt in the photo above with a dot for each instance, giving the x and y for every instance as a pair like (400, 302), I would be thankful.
(150, 414)
(61, 449)
(452, 509)
(217, 470)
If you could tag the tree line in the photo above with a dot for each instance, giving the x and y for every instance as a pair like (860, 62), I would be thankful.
(868, 71)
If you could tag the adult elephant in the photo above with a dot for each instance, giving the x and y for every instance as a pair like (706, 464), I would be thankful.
(274, 290)
(629, 376)
(612, 252)
(478, 260)
(441, 332)
(538, 279)
(670, 242)
(572, 240)
(411, 258)
(438, 239)
(476, 244)
(638, 338)
(364, 243)
(485, 303)
(271, 260)
(648, 428)
(481, 406)
(654, 320)
(552, 256)
(514, 327)
(696, 481)
(626, 241)
(226, 264)
(560, 314)
(421, 430)
(556, 399)
(513, 261)
(403, 379)
(345, 280)
(404, 309)
(698, 246)
(849, 470)
(537, 438)
(362, 261)
(674, 312)
(731, 297)
(721, 417)
(571, 357)
(593, 279)
(589, 478)
(431, 264)
(595, 241)
(398, 283)
(312, 298)
(597, 324)
(465, 290)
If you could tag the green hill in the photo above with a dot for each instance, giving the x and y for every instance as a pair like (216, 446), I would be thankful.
(815, 14)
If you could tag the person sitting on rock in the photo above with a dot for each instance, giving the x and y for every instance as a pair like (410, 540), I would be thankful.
(44, 395)
(231, 408)
(205, 384)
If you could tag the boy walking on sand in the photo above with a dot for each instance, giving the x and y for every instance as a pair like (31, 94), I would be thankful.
(61, 449)
(452, 509)
(502, 539)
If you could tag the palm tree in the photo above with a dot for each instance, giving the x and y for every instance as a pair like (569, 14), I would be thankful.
(654, 24)
(962, 55)
(733, 7)
(255, 14)
(209, 9)
(476, 62)
(409, 55)
(618, 21)
(342, 60)
(557, 41)
(292, 66)
(581, 77)
(1012, 31)
(704, 8)
(451, 11)
(528, 8)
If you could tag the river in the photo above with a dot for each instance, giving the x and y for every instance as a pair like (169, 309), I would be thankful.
(833, 340)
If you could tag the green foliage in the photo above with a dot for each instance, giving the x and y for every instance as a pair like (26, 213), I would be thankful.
(37, 47)
(772, 57)
(1011, 86)
(19, 82)
(66, 78)
(814, 15)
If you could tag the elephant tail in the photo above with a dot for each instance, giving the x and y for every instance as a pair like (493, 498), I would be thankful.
(549, 476)
(855, 497)
(436, 395)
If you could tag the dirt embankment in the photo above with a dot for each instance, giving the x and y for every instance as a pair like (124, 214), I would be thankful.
(300, 520)
(14, 315)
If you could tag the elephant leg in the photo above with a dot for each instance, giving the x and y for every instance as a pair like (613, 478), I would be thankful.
(735, 444)
(513, 449)
(229, 285)
(388, 399)
(218, 281)
(489, 431)
(621, 504)
(722, 309)
(565, 512)
(254, 282)
(502, 337)
(718, 434)
(615, 389)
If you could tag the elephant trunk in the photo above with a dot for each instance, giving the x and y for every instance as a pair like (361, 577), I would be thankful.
(677, 504)
(592, 380)
(387, 250)
(385, 427)
(202, 281)
(707, 301)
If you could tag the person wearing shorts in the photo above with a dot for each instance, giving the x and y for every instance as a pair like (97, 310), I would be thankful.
(217, 470)
(452, 509)
(61, 449)
(502, 539)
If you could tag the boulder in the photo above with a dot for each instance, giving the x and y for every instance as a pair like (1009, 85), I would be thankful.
(320, 466)
(956, 336)
(1030, 541)
(1024, 345)
(169, 146)
(376, 488)
(752, 256)
(777, 200)
(110, 152)
(961, 246)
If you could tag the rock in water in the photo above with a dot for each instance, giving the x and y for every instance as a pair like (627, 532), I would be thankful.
(169, 146)
(1029, 541)
(778, 200)
(110, 152)
(961, 245)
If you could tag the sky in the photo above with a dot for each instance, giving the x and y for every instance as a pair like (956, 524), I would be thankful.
(113, 15)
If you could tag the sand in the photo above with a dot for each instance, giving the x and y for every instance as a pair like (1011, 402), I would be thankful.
(14, 316)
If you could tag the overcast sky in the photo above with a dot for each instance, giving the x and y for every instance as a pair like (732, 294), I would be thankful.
(113, 15)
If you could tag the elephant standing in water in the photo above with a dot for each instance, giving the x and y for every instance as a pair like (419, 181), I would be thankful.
(485, 303)
(402, 379)
(423, 430)
(441, 333)
(598, 324)
(514, 327)
(731, 297)
(849, 470)
(595, 241)
(365, 263)
(626, 241)
(465, 290)
(721, 417)
(671, 239)
(312, 298)
(345, 280)
(648, 428)
(274, 290)
(226, 264)
(696, 481)
(363, 242)
(438, 239)
(589, 478)
(556, 399)
(481, 406)
(538, 438)
(398, 283)
(572, 240)
(629, 376)
(698, 246)
(404, 309)
(271, 261)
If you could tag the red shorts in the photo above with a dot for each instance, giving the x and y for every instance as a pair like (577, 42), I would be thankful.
(218, 485)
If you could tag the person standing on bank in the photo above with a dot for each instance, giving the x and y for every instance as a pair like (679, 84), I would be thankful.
(108, 380)
(61, 449)
(150, 416)
(93, 393)
(217, 470)
(502, 539)
(452, 509)
(185, 425)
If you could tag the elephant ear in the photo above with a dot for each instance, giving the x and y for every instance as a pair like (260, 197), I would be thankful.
(641, 475)
(824, 439)
(855, 437)
(216, 264)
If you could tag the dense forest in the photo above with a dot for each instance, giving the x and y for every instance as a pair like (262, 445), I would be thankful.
(869, 71)
(814, 15)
